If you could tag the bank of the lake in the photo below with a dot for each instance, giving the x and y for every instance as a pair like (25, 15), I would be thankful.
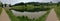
(0, 10)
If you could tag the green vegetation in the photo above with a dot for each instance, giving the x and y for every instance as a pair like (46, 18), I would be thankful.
(30, 8)
(0, 4)
(0, 10)
(42, 18)
(24, 18)
(18, 8)
(57, 9)
(33, 6)
(12, 17)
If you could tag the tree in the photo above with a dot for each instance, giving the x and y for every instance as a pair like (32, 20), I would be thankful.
(58, 4)
(0, 4)
(50, 1)
(22, 3)
(10, 5)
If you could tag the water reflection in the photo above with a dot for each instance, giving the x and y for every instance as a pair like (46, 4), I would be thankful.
(29, 14)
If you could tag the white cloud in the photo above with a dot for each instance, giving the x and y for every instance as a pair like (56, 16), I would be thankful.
(17, 1)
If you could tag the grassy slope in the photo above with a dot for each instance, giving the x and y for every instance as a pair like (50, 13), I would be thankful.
(12, 17)
(0, 10)
(57, 9)
(43, 18)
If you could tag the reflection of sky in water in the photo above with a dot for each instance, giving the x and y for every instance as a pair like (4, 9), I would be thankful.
(29, 14)
(17, 1)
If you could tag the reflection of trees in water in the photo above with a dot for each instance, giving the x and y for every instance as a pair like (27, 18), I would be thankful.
(35, 9)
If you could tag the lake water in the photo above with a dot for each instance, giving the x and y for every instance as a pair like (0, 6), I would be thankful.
(29, 14)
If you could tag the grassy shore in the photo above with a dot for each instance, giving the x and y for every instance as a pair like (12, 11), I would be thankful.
(12, 17)
(43, 18)
(0, 10)
(57, 9)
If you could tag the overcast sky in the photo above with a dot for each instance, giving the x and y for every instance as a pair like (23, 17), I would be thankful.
(17, 1)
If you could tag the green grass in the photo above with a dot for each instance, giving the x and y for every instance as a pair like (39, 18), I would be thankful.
(43, 18)
(10, 14)
(57, 9)
(0, 10)
(24, 18)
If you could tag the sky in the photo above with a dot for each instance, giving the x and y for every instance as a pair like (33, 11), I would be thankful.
(25, 1)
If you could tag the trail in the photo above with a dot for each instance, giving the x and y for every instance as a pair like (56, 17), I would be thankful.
(4, 16)
(52, 16)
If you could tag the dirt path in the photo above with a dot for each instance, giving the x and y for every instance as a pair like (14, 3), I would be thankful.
(4, 16)
(52, 16)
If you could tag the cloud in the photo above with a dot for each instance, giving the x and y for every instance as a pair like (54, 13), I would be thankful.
(17, 1)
